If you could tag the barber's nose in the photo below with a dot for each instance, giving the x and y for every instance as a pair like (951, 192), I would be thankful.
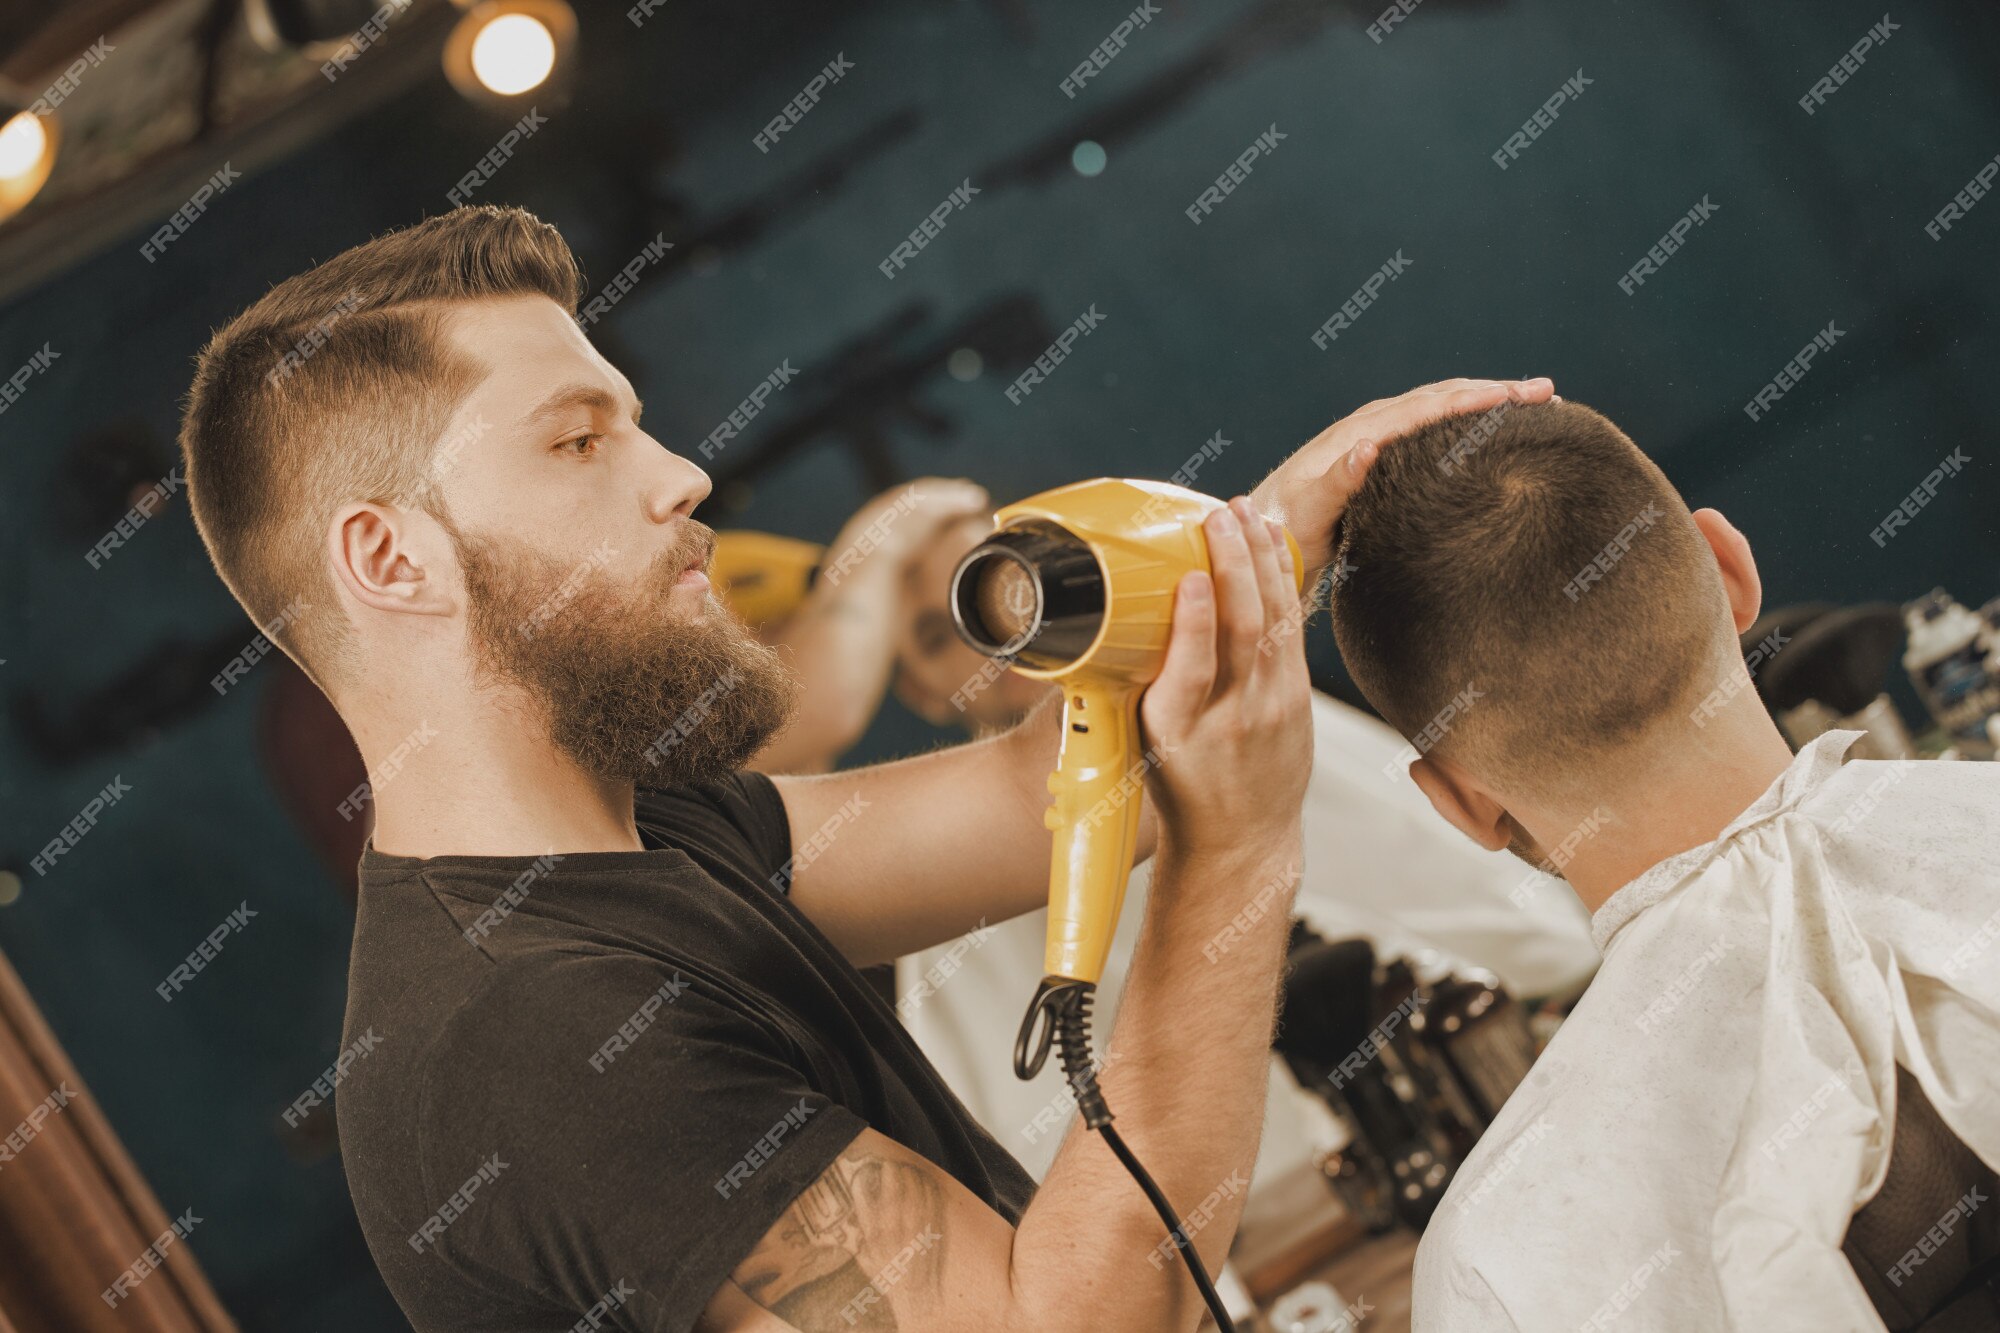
(675, 488)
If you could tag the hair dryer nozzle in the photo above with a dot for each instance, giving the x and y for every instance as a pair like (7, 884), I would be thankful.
(1032, 593)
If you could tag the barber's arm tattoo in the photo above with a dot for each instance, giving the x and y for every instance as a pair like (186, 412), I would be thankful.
(862, 1241)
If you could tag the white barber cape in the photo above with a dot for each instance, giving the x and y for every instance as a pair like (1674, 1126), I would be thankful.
(1378, 862)
(1691, 1146)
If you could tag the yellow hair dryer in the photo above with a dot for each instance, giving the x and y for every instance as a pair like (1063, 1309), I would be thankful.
(1076, 586)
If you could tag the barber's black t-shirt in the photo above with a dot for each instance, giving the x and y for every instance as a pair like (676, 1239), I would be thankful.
(589, 1083)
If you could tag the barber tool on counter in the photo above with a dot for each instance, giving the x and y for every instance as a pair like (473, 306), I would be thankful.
(1414, 1061)
(1821, 668)
(1954, 662)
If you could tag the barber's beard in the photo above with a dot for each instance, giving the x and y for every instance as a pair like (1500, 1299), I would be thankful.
(629, 686)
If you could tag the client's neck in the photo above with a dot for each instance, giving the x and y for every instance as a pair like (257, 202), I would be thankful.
(1680, 790)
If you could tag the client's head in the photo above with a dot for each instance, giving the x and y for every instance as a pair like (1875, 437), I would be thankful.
(1531, 604)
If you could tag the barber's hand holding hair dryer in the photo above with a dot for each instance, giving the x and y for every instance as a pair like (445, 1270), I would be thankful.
(1078, 586)
(1114, 589)
(1108, 587)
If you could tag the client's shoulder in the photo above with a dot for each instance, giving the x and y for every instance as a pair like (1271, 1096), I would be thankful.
(1910, 798)
(1545, 1140)
(1656, 1050)
(1888, 826)
(1912, 849)
(1518, 1181)
(1614, 1147)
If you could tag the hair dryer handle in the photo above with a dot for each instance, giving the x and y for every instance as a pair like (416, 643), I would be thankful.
(1097, 784)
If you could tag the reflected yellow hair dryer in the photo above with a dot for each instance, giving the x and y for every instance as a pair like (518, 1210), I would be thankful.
(761, 576)
(1076, 586)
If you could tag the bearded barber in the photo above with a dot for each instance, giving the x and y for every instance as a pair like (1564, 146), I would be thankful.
(623, 1067)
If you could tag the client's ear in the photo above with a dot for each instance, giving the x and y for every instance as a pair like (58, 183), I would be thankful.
(1739, 571)
(1460, 798)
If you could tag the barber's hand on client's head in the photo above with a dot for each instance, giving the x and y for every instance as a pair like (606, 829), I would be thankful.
(1308, 491)
(1229, 715)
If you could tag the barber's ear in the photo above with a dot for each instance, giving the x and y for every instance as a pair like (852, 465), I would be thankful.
(389, 559)
(1457, 795)
(1740, 580)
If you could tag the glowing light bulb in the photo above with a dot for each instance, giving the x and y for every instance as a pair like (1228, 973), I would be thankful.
(22, 143)
(513, 53)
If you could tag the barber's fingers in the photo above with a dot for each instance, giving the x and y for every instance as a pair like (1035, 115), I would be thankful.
(1435, 386)
(1399, 415)
(1239, 603)
(1385, 418)
(1375, 405)
(1187, 677)
(1392, 417)
(1340, 481)
(1264, 544)
(1282, 649)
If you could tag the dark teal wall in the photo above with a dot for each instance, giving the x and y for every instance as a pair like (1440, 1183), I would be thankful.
(1386, 150)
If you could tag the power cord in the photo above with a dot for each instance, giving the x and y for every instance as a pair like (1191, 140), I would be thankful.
(1067, 1005)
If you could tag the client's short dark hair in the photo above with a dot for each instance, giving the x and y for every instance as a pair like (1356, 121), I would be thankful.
(1531, 565)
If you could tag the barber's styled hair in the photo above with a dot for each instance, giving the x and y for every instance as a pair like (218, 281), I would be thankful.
(335, 387)
(1528, 592)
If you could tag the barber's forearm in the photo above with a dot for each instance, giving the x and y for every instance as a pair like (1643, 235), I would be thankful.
(1009, 791)
(1193, 1038)
(972, 848)
(1185, 1076)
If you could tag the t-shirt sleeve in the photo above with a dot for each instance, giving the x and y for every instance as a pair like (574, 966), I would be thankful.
(648, 1134)
(753, 802)
(735, 823)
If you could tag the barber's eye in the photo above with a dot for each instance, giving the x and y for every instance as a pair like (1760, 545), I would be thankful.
(582, 446)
